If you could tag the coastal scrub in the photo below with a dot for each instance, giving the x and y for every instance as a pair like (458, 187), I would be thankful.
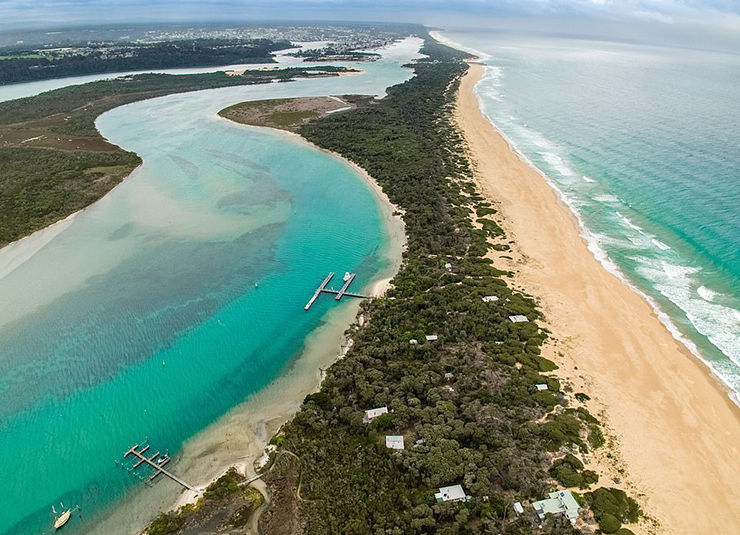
(458, 376)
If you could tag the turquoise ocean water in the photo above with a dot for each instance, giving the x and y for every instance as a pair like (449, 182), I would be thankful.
(644, 144)
(164, 305)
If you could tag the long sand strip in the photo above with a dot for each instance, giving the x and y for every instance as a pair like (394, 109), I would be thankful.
(677, 429)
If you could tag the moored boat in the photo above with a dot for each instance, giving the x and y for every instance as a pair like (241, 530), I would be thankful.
(62, 519)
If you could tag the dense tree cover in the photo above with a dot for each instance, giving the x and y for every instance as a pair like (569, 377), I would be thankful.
(40, 185)
(227, 503)
(31, 65)
(467, 403)
(84, 103)
(611, 508)
(333, 52)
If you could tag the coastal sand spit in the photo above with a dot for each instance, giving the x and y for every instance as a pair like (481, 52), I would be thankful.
(675, 428)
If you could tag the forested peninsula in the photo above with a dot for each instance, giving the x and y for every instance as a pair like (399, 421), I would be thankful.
(461, 381)
(19, 64)
(53, 160)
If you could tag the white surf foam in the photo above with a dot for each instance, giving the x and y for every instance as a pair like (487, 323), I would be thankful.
(706, 293)
(718, 323)
(596, 249)
(629, 223)
(587, 179)
(557, 163)
(660, 245)
(606, 198)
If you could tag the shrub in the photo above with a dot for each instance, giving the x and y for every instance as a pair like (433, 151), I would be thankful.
(609, 523)
(567, 471)
(224, 486)
(596, 437)
(165, 524)
(607, 502)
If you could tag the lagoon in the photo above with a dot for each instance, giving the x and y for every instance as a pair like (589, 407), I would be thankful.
(163, 306)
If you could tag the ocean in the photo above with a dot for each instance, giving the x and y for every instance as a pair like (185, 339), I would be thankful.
(643, 143)
(178, 295)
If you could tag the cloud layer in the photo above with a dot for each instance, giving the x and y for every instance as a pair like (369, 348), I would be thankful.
(50, 12)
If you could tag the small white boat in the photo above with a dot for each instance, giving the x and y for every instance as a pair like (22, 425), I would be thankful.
(346, 276)
(62, 519)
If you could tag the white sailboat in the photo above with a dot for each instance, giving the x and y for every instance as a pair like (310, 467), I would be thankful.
(60, 520)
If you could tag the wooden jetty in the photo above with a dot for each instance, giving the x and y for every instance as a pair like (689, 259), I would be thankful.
(138, 452)
(346, 285)
(320, 289)
(337, 293)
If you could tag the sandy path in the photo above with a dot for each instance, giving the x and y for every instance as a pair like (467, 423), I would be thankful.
(677, 431)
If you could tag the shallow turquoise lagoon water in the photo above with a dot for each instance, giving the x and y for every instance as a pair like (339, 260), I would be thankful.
(164, 305)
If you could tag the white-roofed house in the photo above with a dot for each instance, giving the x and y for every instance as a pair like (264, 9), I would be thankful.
(432, 337)
(518, 509)
(394, 442)
(371, 414)
(541, 387)
(490, 299)
(455, 493)
(518, 318)
(560, 503)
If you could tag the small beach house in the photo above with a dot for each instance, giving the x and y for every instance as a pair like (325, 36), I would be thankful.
(490, 299)
(371, 414)
(394, 442)
(455, 493)
(432, 337)
(560, 503)
(518, 318)
(541, 387)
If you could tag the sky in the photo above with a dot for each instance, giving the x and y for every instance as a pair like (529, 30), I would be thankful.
(682, 19)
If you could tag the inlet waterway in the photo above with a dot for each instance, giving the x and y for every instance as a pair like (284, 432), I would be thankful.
(156, 311)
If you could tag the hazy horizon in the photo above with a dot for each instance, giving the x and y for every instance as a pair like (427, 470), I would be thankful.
(698, 23)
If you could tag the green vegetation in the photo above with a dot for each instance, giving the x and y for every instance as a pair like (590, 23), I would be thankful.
(612, 508)
(486, 426)
(284, 113)
(77, 60)
(39, 186)
(226, 503)
(569, 472)
(53, 161)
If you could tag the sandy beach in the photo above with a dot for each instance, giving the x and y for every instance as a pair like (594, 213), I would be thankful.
(240, 437)
(674, 429)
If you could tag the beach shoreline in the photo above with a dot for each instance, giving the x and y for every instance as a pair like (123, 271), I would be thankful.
(16, 253)
(321, 349)
(675, 430)
(240, 437)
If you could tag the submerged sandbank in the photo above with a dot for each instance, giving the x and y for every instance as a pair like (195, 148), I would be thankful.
(676, 430)
(240, 437)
